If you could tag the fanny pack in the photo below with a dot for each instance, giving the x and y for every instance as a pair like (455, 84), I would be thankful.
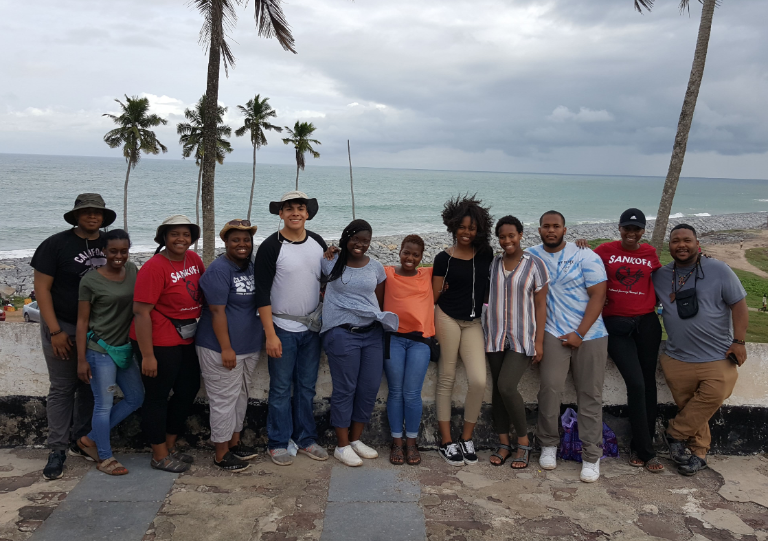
(185, 327)
(121, 355)
(687, 302)
(313, 321)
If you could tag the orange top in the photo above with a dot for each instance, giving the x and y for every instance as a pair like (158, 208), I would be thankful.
(410, 297)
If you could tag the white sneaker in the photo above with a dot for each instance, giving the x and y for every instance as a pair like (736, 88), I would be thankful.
(362, 450)
(590, 471)
(548, 458)
(347, 456)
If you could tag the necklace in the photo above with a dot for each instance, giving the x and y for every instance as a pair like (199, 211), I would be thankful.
(183, 266)
(681, 280)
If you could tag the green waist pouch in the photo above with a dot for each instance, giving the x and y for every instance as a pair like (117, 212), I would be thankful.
(122, 355)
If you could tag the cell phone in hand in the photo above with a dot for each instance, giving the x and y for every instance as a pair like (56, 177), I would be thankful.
(732, 357)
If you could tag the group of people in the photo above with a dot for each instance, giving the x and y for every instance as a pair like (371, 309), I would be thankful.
(155, 331)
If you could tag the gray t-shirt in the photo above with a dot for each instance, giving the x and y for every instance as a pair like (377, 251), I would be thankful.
(352, 300)
(708, 335)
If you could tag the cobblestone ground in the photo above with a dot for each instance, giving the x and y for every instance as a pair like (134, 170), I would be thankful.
(480, 502)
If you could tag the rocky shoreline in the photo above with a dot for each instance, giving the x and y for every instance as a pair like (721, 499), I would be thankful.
(16, 274)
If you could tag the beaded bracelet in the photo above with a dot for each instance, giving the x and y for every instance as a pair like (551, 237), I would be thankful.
(54, 333)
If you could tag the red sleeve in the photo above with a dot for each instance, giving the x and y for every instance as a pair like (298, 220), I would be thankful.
(654, 257)
(603, 250)
(150, 282)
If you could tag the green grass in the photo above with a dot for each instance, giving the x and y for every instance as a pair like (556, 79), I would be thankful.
(758, 257)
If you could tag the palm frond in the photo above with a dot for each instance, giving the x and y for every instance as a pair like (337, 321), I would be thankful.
(271, 22)
(211, 10)
(640, 4)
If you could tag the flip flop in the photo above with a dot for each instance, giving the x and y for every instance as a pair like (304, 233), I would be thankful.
(503, 459)
(90, 451)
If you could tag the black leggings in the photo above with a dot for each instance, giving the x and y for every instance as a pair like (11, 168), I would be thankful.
(179, 370)
(633, 344)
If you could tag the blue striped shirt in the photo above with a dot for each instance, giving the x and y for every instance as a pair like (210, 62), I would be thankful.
(571, 271)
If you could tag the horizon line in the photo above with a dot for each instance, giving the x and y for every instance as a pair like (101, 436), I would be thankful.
(395, 168)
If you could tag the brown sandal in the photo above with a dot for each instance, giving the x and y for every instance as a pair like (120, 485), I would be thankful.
(396, 455)
(111, 466)
(412, 455)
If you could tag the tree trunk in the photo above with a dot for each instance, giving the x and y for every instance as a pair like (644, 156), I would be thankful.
(197, 198)
(297, 177)
(253, 183)
(209, 132)
(684, 124)
(351, 184)
(125, 198)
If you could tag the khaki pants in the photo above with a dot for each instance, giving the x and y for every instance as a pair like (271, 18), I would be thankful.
(587, 363)
(465, 338)
(699, 389)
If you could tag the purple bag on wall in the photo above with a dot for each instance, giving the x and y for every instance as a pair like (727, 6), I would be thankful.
(570, 444)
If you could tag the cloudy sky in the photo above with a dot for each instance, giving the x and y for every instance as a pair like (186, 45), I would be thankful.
(554, 86)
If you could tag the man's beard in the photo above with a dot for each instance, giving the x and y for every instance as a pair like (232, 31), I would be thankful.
(552, 244)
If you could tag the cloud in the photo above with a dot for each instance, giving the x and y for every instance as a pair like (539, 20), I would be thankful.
(508, 85)
(563, 114)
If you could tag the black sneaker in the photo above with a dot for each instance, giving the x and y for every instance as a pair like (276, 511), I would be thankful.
(55, 467)
(468, 451)
(677, 450)
(243, 452)
(231, 463)
(693, 466)
(451, 453)
(74, 450)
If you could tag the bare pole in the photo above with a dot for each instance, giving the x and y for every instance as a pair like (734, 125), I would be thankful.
(351, 184)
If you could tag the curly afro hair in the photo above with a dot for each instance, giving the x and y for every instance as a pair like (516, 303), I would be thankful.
(509, 220)
(458, 208)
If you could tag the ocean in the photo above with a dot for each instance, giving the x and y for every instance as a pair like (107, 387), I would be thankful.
(36, 190)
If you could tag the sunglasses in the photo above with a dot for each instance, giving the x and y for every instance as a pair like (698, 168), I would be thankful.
(236, 223)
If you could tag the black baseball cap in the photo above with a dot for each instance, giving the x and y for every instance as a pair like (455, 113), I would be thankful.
(632, 217)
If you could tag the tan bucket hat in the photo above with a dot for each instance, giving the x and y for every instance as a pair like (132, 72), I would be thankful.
(90, 201)
(240, 225)
(176, 219)
(312, 206)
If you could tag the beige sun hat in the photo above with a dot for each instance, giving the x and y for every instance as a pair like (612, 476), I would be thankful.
(176, 219)
(312, 206)
(240, 225)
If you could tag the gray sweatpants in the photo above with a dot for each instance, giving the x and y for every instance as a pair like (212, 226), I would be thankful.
(70, 401)
(587, 364)
(227, 391)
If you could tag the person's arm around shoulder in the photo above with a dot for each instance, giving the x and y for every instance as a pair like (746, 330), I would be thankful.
(439, 269)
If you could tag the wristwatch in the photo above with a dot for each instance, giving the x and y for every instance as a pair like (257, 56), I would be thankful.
(737, 341)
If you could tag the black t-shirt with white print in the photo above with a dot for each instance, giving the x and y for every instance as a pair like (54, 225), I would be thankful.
(287, 276)
(67, 258)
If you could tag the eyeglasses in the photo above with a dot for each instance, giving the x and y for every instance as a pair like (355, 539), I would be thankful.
(246, 223)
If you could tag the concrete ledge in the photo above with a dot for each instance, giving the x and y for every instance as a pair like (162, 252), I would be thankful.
(741, 425)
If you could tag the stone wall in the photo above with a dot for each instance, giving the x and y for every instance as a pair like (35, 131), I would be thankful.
(741, 425)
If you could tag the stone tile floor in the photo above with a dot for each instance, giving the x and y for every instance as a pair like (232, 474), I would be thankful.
(471, 503)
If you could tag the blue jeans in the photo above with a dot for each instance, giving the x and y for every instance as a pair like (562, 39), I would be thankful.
(293, 418)
(105, 375)
(356, 361)
(406, 369)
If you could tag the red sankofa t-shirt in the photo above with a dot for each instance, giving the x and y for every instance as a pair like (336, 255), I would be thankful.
(172, 286)
(630, 287)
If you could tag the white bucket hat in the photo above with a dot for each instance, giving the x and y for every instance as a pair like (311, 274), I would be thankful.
(312, 206)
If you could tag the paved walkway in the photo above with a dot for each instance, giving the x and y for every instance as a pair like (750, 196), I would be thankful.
(327, 501)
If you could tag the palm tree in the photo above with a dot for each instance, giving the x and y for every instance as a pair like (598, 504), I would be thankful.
(219, 15)
(191, 141)
(302, 143)
(686, 118)
(134, 135)
(257, 112)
